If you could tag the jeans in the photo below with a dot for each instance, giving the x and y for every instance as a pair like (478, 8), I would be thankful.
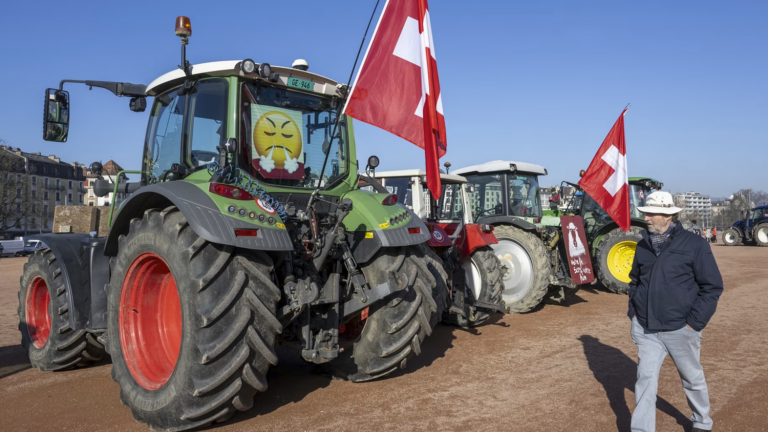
(684, 346)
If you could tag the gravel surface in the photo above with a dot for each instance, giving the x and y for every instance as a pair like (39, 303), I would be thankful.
(561, 368)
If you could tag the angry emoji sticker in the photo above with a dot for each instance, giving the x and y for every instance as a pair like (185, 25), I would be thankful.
(277, 141)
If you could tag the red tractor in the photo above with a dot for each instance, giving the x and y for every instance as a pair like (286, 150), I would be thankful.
(458, 250)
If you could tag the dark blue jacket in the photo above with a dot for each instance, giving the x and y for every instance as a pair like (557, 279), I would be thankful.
(681, 286)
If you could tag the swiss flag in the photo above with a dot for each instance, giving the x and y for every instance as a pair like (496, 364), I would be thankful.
(606, 178)
(397, 87)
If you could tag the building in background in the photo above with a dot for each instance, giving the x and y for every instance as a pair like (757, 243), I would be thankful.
(111, 169)
(695, 207)
(31, 186)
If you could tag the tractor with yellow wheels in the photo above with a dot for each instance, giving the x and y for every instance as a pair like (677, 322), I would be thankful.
(612, 249)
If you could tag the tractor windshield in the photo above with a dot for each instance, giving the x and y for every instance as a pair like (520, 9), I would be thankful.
(487, 198)
(524, 195)
(287, 134)
(637, 194)
(759, 214)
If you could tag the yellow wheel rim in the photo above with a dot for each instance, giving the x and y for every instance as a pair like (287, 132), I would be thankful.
(620, 259)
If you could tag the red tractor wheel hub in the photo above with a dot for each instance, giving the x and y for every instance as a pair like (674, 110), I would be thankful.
(150, 321)
(38, 318)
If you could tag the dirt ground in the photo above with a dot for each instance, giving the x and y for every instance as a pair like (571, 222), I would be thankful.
(561, 368)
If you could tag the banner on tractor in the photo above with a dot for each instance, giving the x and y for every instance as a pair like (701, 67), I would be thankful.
(577, 250)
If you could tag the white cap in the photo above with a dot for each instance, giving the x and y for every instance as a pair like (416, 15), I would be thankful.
(660, 202)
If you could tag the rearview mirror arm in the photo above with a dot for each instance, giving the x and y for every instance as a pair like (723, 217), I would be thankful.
(117, 88)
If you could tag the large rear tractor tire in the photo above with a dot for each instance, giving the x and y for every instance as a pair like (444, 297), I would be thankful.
(761, 235)
(731, 237)
(192, 324)
(397, 325)
(615, 255)
(43, 311)
(525, 268)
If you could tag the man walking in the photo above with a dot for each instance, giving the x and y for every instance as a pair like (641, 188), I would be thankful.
(672, 296)
(714, 235)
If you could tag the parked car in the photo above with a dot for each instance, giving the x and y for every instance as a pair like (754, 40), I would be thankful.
(34, 245)
(12, 247)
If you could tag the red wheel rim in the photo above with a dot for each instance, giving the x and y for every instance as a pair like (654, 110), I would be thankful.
(38, 318)
(150, 321)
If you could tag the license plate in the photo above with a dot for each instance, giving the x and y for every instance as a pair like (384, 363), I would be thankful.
(301, 84)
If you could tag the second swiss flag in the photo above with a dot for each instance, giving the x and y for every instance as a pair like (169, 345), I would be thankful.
(606, 178)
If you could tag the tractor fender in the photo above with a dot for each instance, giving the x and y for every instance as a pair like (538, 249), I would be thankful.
(66, 248)
(367, 229)
(203, 216)
(509, 220)
(476, 238)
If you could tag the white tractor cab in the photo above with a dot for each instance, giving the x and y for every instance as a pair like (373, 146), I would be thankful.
(505, 194)
(458, 248)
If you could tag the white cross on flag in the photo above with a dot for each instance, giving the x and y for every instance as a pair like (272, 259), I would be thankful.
(606, 178)
(397, 87)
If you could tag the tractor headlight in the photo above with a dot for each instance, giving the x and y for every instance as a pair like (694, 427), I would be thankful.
(265, 70)
(248, 66)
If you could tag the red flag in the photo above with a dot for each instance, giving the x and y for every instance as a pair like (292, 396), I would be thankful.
(397, 87)
(606, 178)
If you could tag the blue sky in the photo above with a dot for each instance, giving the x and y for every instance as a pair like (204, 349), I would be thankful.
(539, 82)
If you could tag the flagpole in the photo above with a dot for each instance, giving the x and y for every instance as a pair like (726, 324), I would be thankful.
(338, 114)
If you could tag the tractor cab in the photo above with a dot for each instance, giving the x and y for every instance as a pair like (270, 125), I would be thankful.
(504, 190)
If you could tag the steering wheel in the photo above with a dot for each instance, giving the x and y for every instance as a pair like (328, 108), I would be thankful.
(482, 212)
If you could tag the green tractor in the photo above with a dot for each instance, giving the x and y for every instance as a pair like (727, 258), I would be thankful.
(505, 195)
(246, 227)
(613, 250)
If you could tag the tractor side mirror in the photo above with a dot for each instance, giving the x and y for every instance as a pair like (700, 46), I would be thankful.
(56, 115)
(471, 188)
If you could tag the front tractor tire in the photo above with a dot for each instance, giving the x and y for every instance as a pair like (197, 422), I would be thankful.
(397, 325)
(525, 268)
(192, 324)
(732, 237)
(46, 334)
(615, 255)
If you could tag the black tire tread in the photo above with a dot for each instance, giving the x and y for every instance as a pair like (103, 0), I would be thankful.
(65, 348)
(233, 332)
(739, 240)
(397, 325)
